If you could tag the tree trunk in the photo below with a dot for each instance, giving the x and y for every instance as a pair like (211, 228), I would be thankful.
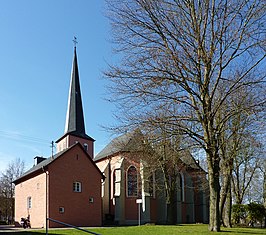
(264, 192)
(228, 209)
(224, 192)
(171, 213)
(172, 206)
(214, 185)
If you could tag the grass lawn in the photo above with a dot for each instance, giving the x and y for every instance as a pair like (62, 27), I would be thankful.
(150, 230)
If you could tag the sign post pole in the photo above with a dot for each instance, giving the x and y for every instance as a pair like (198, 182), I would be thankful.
(139, 201)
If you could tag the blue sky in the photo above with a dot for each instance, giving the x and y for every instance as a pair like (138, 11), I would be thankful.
(36, 58)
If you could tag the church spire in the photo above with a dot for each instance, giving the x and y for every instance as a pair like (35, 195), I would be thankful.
(74, 118)
(75, 126)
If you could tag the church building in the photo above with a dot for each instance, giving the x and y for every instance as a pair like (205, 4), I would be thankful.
(66, 186)
(74, 187)
(134, 193)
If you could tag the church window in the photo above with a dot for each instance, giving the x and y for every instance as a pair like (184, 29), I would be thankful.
(29, 203)
(149, 183)
(152, 185)
(117, 181)
(132, 182)
(181, 187)
(77, 187)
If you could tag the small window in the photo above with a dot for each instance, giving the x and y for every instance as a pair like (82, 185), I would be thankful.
(29, 203)
(77, 187)
(91, 200)
(85, 147)
(61, 210)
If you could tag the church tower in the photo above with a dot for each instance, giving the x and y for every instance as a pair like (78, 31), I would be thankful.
(75, 126)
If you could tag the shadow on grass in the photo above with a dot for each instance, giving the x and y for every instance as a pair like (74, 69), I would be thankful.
(242, 231)
(28, 233)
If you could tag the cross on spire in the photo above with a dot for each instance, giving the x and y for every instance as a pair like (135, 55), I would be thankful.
(75, 41)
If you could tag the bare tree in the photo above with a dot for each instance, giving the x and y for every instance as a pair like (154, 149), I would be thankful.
(7, 190)
(240, 134)
(177, 54)
(263, 170)
(170, 157)
(245, 167)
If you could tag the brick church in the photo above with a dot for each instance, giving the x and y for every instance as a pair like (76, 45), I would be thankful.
(77, 188)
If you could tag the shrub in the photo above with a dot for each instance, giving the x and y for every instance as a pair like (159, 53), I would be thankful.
(239, 213)
(256, 212)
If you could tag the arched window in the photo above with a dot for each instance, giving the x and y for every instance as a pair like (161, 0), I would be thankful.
(132, 182)
(181, 187)
(149, 185)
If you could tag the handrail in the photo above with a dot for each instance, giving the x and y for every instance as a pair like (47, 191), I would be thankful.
(72, 226)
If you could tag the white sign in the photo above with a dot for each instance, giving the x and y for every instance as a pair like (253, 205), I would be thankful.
(138, 201)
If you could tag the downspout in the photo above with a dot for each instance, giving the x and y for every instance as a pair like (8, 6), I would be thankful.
(109, 186)
(46, 200)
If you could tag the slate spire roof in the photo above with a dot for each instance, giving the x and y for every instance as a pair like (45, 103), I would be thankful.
(74, 118)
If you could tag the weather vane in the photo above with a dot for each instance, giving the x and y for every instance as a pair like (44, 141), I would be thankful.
(75, 41)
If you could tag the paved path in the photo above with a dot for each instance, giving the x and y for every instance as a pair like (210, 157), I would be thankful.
(8, 228)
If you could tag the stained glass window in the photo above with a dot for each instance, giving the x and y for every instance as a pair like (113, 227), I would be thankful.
(132, 182)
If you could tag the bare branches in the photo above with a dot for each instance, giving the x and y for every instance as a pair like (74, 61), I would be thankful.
(183, 62)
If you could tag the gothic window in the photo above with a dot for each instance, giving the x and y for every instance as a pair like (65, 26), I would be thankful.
(77, 187)
(181, 187)
(132, 182)
(152, 185)
(149, 185)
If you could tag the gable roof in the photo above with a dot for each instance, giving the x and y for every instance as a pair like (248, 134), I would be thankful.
(124, 143)
(190, 161)
(37, 169)
(132, 142)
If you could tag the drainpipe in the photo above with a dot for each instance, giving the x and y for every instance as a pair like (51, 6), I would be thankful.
(109, 186)
(46, 200)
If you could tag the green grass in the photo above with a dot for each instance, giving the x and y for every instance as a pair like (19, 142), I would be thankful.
(151, 230)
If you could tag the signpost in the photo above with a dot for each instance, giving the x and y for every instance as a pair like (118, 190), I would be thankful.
(139, 201)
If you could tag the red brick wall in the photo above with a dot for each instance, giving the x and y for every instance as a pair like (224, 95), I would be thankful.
(34, 188)
(131, 208)
(73, 166)
(74, 139)
(153, 210)
(69, 140)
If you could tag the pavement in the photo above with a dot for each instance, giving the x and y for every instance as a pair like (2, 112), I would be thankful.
(9, 228)
(6, 229)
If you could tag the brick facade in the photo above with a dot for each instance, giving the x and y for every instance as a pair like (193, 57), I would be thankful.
(35, 188)
(78, 208)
